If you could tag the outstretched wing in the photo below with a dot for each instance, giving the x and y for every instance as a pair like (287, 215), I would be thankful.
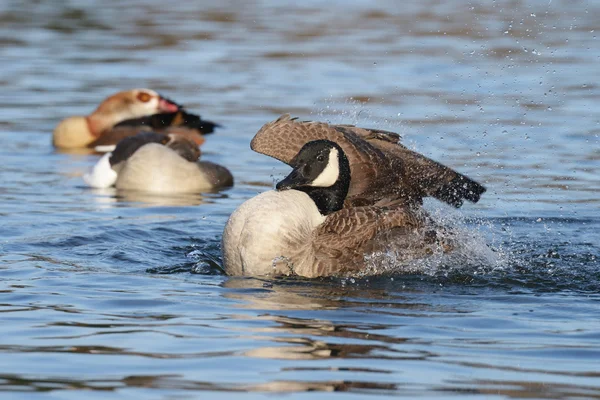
(426, 176)
(380, 166)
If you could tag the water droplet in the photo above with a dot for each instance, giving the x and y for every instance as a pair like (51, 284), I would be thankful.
(201, 267)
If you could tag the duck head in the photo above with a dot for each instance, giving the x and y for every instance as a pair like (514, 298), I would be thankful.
(79, 131)
(134, 103)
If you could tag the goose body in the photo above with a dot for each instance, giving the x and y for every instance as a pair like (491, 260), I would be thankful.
(158, 169)
(271, 234)
(283, 233)
(125, 114)
(156, 163)
(307, 228)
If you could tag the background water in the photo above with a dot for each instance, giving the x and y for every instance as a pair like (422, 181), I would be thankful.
(111, 295)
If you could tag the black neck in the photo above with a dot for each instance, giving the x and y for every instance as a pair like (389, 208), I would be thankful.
(328, 199)
(331, 199)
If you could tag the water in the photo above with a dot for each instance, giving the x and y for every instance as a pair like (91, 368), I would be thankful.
(113, 295)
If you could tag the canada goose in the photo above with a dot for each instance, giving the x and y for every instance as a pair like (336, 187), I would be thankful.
(158, 163)
(350, 193)
(303, 227)
(126, 114)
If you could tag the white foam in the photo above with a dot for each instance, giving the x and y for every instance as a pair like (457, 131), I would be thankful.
(101, 175)
(472, 253)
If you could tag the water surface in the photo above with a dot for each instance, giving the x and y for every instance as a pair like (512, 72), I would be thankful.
(119, 295)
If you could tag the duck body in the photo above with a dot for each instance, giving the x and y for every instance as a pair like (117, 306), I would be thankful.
(157, 163)
(125, 114)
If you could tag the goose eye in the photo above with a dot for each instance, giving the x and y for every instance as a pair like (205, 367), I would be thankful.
(320, 158)
(144, 97)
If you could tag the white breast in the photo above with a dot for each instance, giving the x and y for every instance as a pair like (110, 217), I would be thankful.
(273, 229)
(101, 174)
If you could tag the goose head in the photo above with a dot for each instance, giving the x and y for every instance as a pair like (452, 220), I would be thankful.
(321, 170)
(135, 103)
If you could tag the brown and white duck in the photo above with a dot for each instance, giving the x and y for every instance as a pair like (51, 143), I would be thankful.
(158, 163)
(125, 114)
(352, 192)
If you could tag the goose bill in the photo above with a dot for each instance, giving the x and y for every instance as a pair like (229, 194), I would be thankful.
(293, 180)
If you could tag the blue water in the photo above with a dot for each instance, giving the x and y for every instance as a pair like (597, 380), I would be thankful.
(109, 294)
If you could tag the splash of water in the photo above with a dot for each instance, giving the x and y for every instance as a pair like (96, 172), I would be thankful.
(472, 252)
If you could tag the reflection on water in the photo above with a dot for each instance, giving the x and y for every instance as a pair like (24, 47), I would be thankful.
(363, 337)
(111, 196)
(512, 389)
(122, 293)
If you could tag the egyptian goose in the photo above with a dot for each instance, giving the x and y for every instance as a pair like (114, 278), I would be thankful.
(126, 114)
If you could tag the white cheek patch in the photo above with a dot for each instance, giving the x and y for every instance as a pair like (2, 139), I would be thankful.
(102, 175)
(331, 173)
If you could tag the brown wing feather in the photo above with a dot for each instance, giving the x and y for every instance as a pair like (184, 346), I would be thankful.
(190, 134)
(183, 146)
(344, 236)
(425, 175)
(115, 135)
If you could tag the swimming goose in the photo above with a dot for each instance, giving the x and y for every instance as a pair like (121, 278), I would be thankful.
(126, 114)
(352, 192)
(303, 227)
(383, 170)
(158, 163)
